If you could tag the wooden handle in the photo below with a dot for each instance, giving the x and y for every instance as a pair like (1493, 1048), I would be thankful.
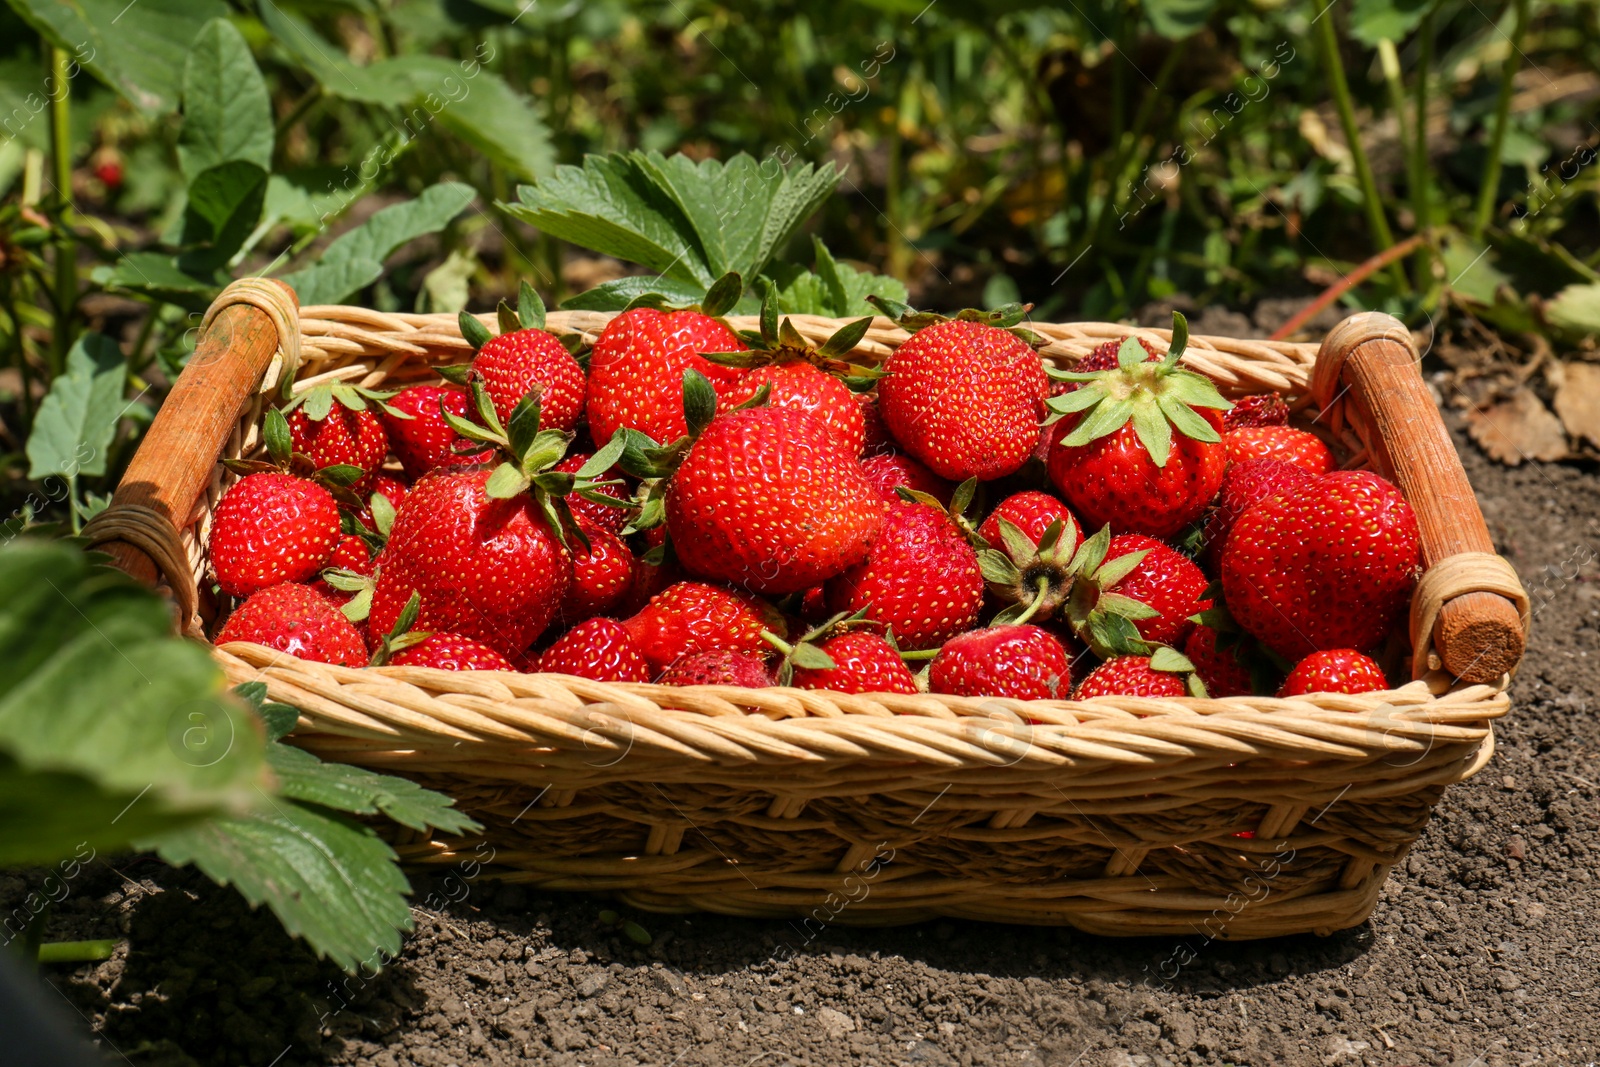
(231, 356)
(1478, 635)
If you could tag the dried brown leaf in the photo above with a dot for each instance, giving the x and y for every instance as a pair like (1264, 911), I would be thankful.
(1518, 428)
(1577, 400)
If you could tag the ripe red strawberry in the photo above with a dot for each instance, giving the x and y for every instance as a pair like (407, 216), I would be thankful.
(1166, 581)
(601, 574)
(649, 579)
(1262, 409)
(889, 470)
(636, 370)
(1021, 662)
(1223, 673)
(1284, 443)
(425, 441)
(271, 528)
(803, 387)
(342, 436)
(1340, 670)
(1247, 483)
(451, 652)
(603, 516)
(1329, 564)
(719, 667)
(768, 500)
(515, 363)
(600, 650)
(1032, 512)
(965, 398)
(1139, 447)
(875, 437)
(921, 579)
(1131, 676)
(695, 617)
(489, 569)
(298, 621)
(863, 662)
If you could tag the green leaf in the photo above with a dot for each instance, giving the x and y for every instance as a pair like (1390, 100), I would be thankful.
(523, 425)
(157, 275)
(530, 309)
(1177, 19)
(1130, 353)
(1576, 309)
(1107, 418)
(1092, 552)
(473, 331)
(1185, 419)
(304, 777)
(1117, 569)
(1019, 546)
(506, 482)
(327, 879)
(723, 295)
(139, 50)
(224, 206)
(618, 293)
(1126, 606)
(997, 568)
(1180, 337)
(275, 434)
(1153, 431)
(1079, 399)
(831, 288)
(1374, 20)
(227, 114)
(359, 253)
(77, 419)
(1169, 659)
(699, 402)
(110, 727)
(811, 658)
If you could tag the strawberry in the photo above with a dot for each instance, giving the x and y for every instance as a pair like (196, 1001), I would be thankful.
(601, 573)
(920, 579)
(768, 500)
(1220, 668)
(719, 667)
(391, 489)
(1328, 564)
(1303, 449)
(1261, 409)
(297, 620)
(875, 436)
(350, 554)
(523, 358)
(425, 440)
(1032, 512)
(803, 387)
(1245, 484)
(271, 528)
(1131, 676)
(487, 568)
(451, 652)
(1339, 670)
(600, 650)
(862, 662)
(649, 578)
(965, 397)
(695, 617)
(602, 515)
(1164, 580)
(1115, 458)
(888, 471)
(1021, 662)
(636, 367)
(1103, 357)
(340, 435)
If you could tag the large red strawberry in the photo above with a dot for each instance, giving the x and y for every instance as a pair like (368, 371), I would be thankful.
(451, 652)
(487, 568)
(525, 358)
(888, 471)
(1032, 512)
(1246, 484)
(695, 617)
(270, 528)
(601, 573)
(1259, 409)
(425, 441)
(920, 579)
(1139, 447)
(1021, 662)
(966, 398)
(1340, 670)
(719, 667)
(299, 621)
(863, 662)
(768, 500)
(636, 370)
(337, 435)
(1285, 443)
(600, 650)
(1164, 580)
(1329, 564)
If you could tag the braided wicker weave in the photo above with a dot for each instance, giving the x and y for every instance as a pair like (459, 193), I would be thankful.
(1238, 818)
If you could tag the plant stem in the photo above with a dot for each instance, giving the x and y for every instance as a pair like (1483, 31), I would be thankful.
(1360, 274)
(66, 253)
(1422, 266)
(76, 951)
(1042, 587)
(1490, 185)
(1328, 40)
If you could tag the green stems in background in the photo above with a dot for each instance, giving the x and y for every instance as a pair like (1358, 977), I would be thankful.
(1422, 266)
(66, 254)
(1490, 184)
(1328, 41)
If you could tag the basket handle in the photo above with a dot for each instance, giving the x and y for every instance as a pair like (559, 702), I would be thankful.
(175, 461)
(1470, 609)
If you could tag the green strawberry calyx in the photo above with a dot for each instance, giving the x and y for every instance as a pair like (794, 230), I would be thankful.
(1035, 580)
(336, 478)
(804, 652)
(1005, 317)
(376, 535)
(401, 636)
(529, 314)
(1157, 397)
(1102, 618)
(1170, 660)
(779, 342)
(720, 299)
(1267, 669)
(319, 400)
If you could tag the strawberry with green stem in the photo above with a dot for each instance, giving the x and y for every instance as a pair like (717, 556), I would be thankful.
(524, 358)
(1165, 672)
(334, 424)
(418, 435)
(1139, 446)
(844, 654)
(298, 621)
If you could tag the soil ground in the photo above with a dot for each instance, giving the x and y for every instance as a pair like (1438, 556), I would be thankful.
(1484, 950)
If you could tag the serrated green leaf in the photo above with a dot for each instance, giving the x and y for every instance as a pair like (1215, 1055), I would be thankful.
(302, 776)
(157, 275)
(617, 294)
(227, 114)
(831, 288)
(77, 419)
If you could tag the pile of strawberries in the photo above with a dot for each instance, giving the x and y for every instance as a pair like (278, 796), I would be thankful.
(688, 505)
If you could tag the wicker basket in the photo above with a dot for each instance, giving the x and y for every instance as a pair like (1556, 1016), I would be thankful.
(1236, 818)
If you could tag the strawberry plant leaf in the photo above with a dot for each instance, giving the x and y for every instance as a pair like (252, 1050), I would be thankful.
(473, 330)
(620, 293)
(530, 309)
(227, 113)
(77, 419)
(836, 290)
(304, 777)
